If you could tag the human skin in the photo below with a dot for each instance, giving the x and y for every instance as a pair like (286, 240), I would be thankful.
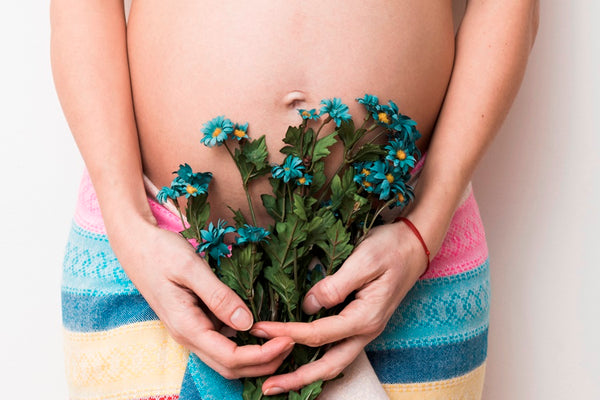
(257, 62)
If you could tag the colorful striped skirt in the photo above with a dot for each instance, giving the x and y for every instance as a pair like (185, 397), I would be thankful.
(434, 346)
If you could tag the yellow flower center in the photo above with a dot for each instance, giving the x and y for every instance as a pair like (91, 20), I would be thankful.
(365, 172)
(239, 133)
(217, 132)
(305, 113)
(400, 198)
(390, 178)
(302, 180)
(383, 117)
(190, 189)
(366, 184)
(401, 155)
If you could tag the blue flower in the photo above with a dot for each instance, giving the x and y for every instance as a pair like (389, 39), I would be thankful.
(240, 131)
(309, 114)
(384, 114)
(213, 240)
(305, 180)
(370, 102)
(363, 175)
(403, 197)
(216, 131)
(251, 234)
(166, 193)
(190, 183)
(193, 190)
(291, 169)
(405, 126)
(399, 154)
(337, 110)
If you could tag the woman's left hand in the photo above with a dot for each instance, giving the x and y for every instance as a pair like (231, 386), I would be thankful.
(382, 269)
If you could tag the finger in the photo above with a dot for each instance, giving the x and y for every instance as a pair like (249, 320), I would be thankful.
(264, 369)
(231, 356)
(218, 297)
(354, 319)
(333, 289)
(197, 333)
(327, 367)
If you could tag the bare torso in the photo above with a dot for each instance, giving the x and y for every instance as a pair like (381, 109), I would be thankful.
(259, 61)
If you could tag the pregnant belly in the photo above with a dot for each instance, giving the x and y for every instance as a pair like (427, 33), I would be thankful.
(259, 61)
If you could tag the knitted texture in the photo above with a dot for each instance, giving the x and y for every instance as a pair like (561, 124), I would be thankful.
(434, 346)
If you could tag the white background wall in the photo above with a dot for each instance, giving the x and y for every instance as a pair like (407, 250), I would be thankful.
(538, 189)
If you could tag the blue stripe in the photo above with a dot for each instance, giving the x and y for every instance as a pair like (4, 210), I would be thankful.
(84, 313)
(426, 364)
(188, 386)
(91, 267)
(440, 311)
(211, 385)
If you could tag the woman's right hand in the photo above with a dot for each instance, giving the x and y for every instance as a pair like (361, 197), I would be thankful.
(187, 296)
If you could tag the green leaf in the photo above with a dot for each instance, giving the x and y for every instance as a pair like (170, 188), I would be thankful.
(241, 270)
(369, 152)
(293, 136)
(288, 236)
(284, 286)
(255, 152)
(348, 134)
(197, 212)
(322, 146)
(238, 218)
(273, 206)
(302, 206)
(337, 247)
(230, 275)
(311, 391)
(319, 178)
(307, 143)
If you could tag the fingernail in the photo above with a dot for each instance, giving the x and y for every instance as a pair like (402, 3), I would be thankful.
(273, 391)
(311, 305)
(289, 346)
(241, 319)
(259, 333)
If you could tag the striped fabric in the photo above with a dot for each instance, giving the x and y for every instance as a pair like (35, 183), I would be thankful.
(116, 348)
(435, 344)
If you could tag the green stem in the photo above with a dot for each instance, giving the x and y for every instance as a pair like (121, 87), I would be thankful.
(312, 151)
(244, 185)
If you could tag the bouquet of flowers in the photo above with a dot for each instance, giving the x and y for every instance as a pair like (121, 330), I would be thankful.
(317, 221)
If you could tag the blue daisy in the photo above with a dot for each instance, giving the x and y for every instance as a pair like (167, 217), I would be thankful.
(291, 169)
(304, 180)
(216, 131)
(370, 102)
(251, 234)
(399, 154)
(213, 243)
(240, 131)
(309, 114)
(166, 193)
(337, 110)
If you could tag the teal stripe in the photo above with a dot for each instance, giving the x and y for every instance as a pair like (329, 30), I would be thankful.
(440, 311)
(91, 267)
(211, 385)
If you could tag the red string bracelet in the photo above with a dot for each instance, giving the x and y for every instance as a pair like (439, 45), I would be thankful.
(418, 235)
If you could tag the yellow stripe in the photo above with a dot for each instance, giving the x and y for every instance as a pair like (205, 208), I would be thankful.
(130, 362)
(465, 387)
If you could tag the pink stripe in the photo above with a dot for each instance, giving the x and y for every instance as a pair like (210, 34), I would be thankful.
(89, 217)
(464, 247)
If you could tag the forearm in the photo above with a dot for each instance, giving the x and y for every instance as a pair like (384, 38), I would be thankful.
(89, 62)
(492, 48)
